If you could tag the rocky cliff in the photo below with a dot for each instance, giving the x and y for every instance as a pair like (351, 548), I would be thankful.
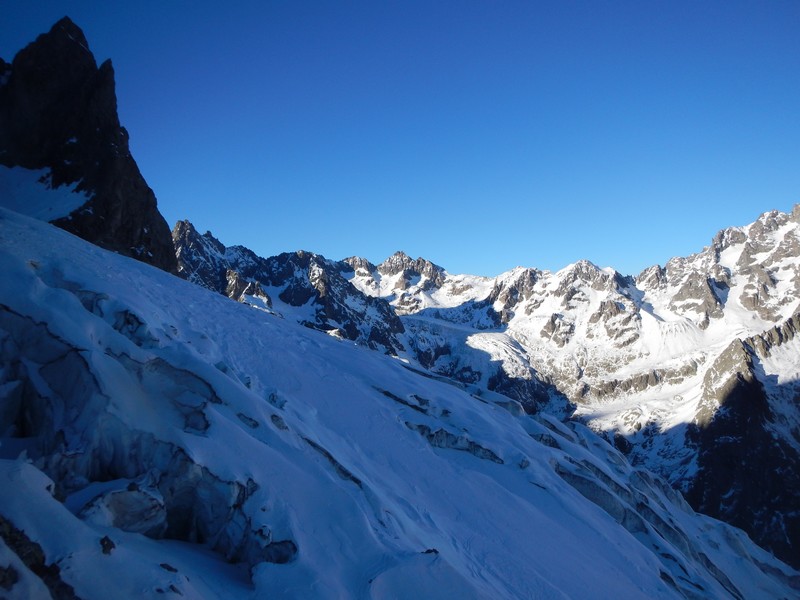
(58, 116)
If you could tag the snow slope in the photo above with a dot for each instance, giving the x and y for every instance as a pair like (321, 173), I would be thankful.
(158, 437)
(28, 191)
(648, 361)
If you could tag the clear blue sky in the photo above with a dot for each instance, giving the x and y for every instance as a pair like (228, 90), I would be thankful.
(479, 134)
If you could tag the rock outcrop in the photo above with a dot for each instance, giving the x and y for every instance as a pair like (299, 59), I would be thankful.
(58, 112)
(748, 472)
(400, 276)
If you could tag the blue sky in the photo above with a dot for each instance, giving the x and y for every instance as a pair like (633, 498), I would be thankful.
(481, 135)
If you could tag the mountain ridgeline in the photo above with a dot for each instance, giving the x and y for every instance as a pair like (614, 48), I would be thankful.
(690, 369)
(158, 439)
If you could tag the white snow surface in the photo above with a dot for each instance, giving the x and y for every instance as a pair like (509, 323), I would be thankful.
(457, 289)
(28, 191)
(361, 462)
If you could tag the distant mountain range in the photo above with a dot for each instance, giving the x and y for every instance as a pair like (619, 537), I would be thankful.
(346, 429)
(690, 369)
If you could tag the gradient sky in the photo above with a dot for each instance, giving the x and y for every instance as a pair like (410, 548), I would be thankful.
(481, 135)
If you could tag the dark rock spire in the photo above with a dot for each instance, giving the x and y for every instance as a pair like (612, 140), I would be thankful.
(58, 111)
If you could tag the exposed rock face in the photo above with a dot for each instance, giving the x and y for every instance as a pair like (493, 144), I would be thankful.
(400, 263)
(33, 558)
(518, 288)
(299, 280)
(696, 294)
(58, 111)
(748, 471)
(240, 289)
(201, 259)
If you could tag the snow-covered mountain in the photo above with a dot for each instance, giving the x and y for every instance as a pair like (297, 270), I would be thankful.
(690, 369)
(304, 285)
(159, 438)
(390, 431)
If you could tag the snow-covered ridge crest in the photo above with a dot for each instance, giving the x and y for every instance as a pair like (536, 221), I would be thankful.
(160, 389)
(412, 285)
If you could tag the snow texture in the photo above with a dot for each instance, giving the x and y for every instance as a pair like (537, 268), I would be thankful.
(159, 438)
(29, 192)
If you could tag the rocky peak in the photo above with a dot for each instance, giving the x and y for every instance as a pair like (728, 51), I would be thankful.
(769, 221)
(726, 238)
(396, 263)
(5, 72)
(516, 287)
(400, 262)
(585, 272)
(360, 264)
(58, 111)
(761, 235)
(239, 289)
(201, 258)
(308, 286)
(582, 271)
(214, 242)
(184, 233)
(676, 267)
(651, 278)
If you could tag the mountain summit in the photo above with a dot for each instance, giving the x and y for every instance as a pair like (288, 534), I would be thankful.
(58, 120)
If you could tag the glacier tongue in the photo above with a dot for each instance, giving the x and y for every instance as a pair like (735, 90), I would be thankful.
(186, 432)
